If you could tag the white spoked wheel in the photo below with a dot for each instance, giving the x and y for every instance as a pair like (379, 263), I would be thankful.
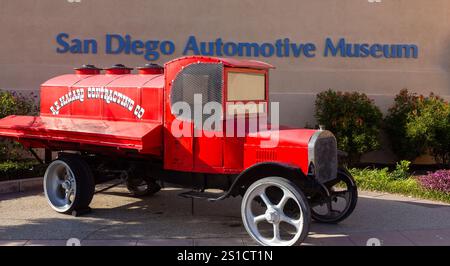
(343, 196)
(275, 212)
(68, 185)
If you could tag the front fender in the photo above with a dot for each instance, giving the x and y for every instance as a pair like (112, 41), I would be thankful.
(266, 169)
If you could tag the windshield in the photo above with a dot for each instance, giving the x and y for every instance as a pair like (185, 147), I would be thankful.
(246, 86)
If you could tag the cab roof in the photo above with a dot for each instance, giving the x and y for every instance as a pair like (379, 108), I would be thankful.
(230, 62)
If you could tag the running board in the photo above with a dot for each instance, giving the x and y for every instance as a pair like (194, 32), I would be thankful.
(210, 196)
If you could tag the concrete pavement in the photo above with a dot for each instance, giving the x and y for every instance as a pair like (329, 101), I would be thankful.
(166, 219)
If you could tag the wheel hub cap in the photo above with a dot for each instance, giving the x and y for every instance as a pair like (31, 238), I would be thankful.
(67, 185)
(272, 216)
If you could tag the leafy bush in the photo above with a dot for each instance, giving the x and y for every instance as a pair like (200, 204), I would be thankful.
(395, 122)
(401, 170)
(430, 125)
(12, 103)
(353, 118)
(416, 124)
(20, 169)
(439, 180)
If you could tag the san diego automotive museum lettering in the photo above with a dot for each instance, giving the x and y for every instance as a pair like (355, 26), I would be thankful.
(107, 95)
(151, 50)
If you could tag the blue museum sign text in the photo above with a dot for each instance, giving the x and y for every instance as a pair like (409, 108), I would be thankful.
(151, 50)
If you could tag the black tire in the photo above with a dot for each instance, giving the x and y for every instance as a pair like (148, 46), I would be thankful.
(142, 187)
(84, 180)
(294, 190)
(343, 177)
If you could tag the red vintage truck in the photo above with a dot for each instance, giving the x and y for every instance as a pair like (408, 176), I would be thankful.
(115, 124)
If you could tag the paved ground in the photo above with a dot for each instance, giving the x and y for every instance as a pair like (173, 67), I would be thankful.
(166, 219)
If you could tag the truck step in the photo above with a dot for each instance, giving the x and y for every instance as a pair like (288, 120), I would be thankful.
(210, 196)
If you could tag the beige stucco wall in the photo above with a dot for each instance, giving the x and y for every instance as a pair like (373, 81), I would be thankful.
(28, 47)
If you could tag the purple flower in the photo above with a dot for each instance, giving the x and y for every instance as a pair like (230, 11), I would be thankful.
(439, 180)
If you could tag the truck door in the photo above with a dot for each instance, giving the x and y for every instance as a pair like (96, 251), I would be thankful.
(246, 102)
(186, 147)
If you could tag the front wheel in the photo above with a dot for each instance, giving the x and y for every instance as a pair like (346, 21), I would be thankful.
(275, 212)
(68, 184)
(341, 202)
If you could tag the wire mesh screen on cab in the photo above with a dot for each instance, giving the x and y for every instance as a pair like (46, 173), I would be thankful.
(200, 78)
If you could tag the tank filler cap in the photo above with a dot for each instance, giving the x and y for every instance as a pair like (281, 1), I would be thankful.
(118, 69)
(87, 70)
(151, 69)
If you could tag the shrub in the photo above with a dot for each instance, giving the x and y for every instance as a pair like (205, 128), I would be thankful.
(12, 103)
(430, 125)
(353, 118)
(439, 180)
(20, 169)
(395, 122)
(401, 170)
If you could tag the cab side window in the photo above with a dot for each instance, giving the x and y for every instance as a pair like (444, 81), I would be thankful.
(200, 78)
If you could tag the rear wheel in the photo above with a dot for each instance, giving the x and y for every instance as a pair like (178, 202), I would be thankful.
(275, 212)
(341, 202)
(68, 184)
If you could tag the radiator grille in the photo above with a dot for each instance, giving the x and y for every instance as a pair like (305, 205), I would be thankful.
(323, 154)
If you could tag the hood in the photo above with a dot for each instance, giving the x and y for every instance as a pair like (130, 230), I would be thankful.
(283, 137)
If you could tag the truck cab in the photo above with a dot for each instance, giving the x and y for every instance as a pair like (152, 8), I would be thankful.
(224, 82)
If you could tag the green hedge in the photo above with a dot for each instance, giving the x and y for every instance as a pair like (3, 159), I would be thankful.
(430, 125)
(13, 103)
(20, 169)
(414, 124)
(395, 122)
(353, 118)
